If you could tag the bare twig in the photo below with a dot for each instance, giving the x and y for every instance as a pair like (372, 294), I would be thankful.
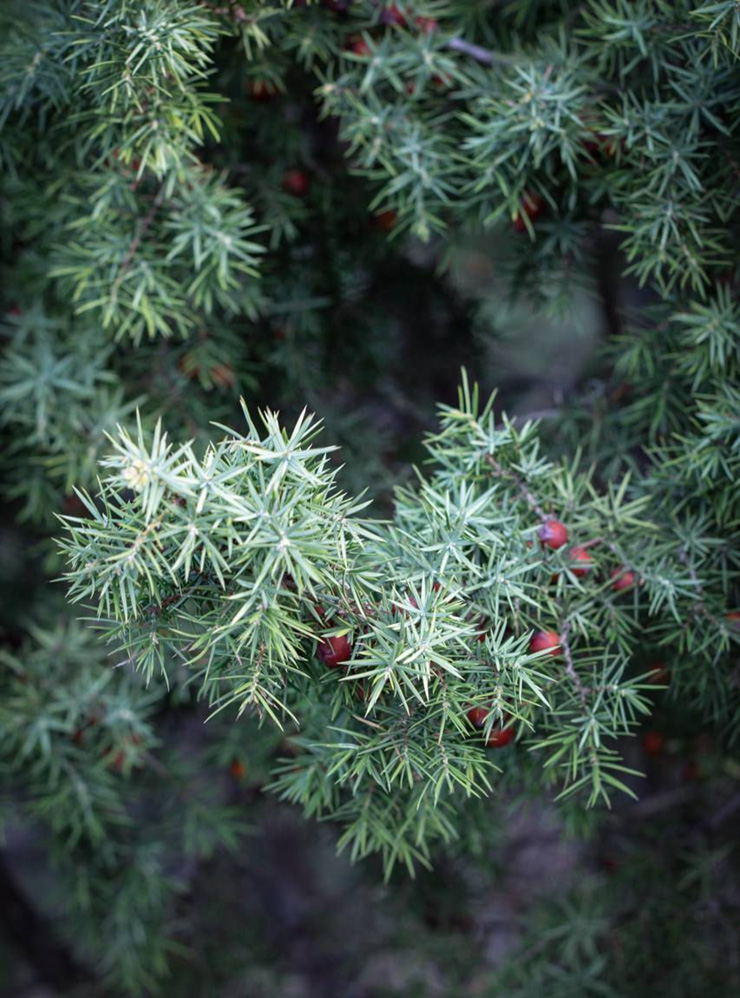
(569, 666)
(486, 56)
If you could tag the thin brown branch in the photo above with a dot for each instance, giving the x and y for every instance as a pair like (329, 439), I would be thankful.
(141, 231)
(480, 54)
(569, 666)
(599, 540)
(501, 472)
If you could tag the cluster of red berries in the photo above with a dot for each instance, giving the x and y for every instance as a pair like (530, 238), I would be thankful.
(500, 735)
(335, 650)
(296, 182)
(553, 534)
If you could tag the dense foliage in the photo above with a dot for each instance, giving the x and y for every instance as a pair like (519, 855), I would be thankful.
(205, 201)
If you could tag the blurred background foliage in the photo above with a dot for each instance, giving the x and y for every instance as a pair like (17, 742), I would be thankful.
(272, 239)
